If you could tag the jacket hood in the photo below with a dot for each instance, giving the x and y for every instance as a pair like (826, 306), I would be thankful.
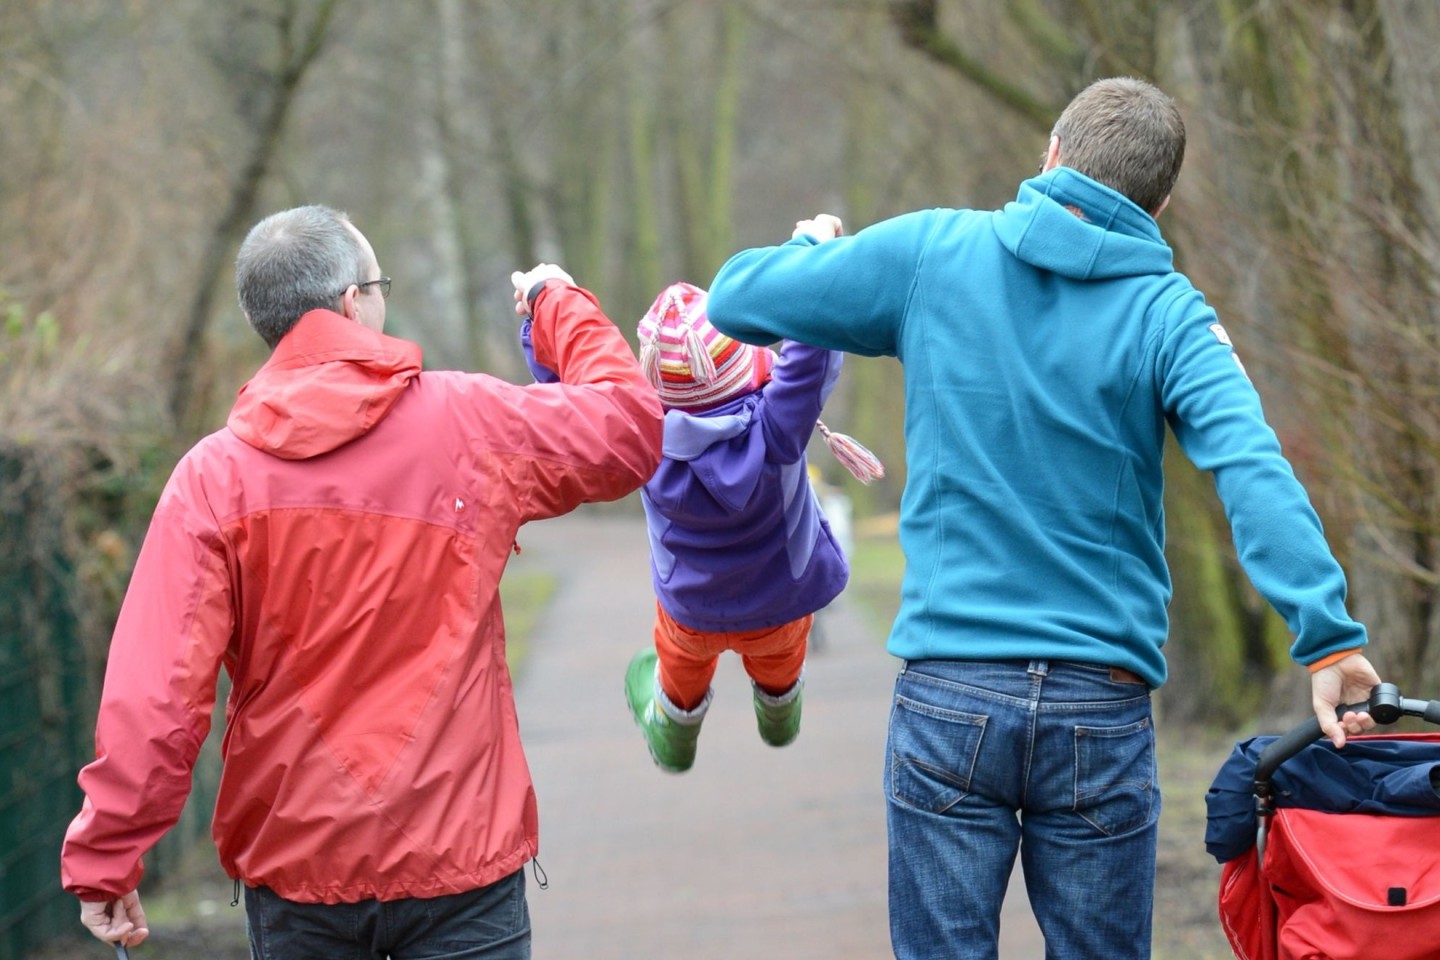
(1067, 223)
(730, 472)
(329, 381)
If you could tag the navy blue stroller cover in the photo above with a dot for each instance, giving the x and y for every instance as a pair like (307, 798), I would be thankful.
(1393, 775)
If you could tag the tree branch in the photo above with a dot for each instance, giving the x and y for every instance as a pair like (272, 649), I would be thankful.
(918, 23)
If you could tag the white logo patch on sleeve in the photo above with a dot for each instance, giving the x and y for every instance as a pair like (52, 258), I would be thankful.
(1224, 337)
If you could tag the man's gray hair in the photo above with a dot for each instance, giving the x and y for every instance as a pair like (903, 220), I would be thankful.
(293, 262)
(1128, 135)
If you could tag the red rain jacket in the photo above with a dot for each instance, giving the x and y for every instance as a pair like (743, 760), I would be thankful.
(339, 549)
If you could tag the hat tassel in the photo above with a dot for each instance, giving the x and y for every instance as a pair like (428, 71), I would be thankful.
(650, 362)
(862, 464)
(702, 365)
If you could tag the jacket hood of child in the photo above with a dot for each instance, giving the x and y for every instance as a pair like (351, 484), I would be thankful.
(1046, 348)
(737, 537)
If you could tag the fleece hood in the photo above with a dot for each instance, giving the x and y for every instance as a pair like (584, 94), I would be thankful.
(729, 472)
(1064, 222)
(329, 381)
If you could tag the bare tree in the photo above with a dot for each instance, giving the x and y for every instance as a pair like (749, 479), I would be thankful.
(292, 35)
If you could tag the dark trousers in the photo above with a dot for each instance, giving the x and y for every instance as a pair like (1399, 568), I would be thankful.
(491, 923)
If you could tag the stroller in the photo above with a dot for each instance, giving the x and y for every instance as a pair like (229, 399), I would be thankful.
(1331, 856)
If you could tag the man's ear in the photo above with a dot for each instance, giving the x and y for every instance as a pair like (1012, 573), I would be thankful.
(349, 305)
(1161, 209)
(1052, 155)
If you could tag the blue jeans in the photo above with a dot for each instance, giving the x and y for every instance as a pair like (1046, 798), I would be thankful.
(492, 923)
(1053, 760)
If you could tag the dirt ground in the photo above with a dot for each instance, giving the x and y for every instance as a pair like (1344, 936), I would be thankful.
(1187, 923)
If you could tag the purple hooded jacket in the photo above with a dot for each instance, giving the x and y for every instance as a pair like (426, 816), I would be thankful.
(737, 538)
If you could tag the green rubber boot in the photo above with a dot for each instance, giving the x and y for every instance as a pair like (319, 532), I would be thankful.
(670, 732)
(778, 718)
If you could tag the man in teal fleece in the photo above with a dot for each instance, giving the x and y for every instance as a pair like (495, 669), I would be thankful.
(1046, 348)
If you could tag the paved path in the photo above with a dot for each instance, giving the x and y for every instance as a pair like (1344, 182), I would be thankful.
(753, 852)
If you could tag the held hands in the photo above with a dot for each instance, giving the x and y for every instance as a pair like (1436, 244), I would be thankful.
(822, 227)
(1345, 681)
(116, 921)
(525, 281)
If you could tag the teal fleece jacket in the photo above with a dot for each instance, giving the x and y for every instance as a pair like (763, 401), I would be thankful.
(1046, 346)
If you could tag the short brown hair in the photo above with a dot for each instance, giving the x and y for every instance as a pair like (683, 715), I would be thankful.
(1128, 135)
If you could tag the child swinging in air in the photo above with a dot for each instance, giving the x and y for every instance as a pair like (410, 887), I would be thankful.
(741, 555)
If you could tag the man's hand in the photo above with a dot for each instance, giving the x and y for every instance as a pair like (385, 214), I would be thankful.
(822, 227)
(525, 281)
(116, 921)
(1345, 681)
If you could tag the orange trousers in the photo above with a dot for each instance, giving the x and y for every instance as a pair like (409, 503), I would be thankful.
(773, 657)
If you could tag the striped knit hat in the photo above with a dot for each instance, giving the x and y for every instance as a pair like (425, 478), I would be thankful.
(692, 365)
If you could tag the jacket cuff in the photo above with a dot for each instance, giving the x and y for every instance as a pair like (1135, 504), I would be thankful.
(1326, 661)
(535, 292)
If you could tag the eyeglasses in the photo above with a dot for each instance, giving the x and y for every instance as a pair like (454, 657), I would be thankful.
(383, 283)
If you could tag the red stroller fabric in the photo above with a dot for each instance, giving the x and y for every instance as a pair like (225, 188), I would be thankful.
(1246, 911)
(1334, 886)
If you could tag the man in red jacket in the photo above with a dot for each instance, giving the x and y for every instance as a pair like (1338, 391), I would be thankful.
(338, 548)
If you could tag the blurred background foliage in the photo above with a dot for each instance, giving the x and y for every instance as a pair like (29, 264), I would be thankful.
(638, 142)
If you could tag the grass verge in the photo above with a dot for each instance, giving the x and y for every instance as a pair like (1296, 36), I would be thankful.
(524, 595)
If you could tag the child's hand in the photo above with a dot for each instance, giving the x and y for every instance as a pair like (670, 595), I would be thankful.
(823, 227)
(524, 282)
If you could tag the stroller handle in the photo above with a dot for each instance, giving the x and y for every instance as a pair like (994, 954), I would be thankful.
(1385, 705)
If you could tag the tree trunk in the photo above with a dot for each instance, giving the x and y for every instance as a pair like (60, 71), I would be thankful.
(299, 46)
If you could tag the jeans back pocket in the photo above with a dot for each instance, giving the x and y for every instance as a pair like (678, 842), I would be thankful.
(1115, 776)
(932, 754)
